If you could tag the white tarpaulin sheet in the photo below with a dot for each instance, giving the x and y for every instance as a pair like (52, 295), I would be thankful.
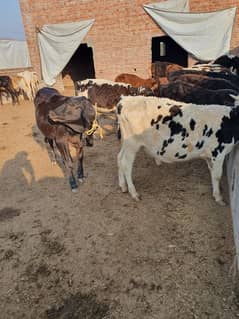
(14, 54)
(205, 35)
(57, 43)
(172, 5)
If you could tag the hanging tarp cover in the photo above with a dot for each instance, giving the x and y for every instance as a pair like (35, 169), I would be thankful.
(205, 35)
(14, 54)
(57, 43)
(172, 5)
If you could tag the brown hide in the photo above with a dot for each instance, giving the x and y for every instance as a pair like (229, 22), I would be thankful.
(135, 80)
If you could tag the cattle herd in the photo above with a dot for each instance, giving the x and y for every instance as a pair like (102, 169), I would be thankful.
(178, 114)
(23, 85)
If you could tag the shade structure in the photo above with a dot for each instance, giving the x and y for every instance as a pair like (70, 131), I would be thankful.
(205, 35)
(57, 43)
(14, 54)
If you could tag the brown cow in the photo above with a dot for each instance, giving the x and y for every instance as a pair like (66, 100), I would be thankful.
(136, 81)
(63, 120)
(162, 69)
(106, 94)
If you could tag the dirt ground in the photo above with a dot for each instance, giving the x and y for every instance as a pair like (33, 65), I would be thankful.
(98, 254)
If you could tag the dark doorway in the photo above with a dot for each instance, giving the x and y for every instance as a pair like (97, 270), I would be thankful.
(165, 49)
(81, 64)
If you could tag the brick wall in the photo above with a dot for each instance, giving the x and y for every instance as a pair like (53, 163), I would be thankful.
(14, 71)
(121, 35)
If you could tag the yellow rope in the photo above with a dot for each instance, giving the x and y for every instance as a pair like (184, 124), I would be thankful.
(94, 127)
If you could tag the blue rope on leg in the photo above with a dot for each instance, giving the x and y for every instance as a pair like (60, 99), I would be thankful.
(72, 183)
(80, 173)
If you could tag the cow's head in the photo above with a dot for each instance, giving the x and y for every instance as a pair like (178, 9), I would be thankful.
(133, 90)
(89, 140)
(146, 91)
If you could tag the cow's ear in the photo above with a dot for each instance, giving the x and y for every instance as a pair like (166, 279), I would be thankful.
(84, 119)
(87, 117)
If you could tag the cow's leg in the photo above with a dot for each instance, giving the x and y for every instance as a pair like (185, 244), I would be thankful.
(216, 169)
(76, 142)
(80, 169)
(122, 179)
(53, 156)
(32, 91)
(125, 165)
(75, 88)
(66, 156)
(16, 94)
(118, 131)
(13, 95)
(9, 94)
(209, 164)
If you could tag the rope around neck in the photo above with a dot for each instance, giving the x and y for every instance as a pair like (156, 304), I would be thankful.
(94, 127)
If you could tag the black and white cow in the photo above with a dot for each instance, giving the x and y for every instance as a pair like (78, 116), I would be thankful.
(173, 131)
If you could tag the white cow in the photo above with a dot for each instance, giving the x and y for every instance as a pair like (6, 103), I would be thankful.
(173, 131)
(32, 83)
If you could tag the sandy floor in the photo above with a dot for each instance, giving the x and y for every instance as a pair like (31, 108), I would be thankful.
(98, 254)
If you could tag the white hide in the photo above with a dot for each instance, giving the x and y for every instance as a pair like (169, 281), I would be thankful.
(31, 82)
(135, 120)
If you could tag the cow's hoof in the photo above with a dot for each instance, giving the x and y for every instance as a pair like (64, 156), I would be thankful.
(74, 190)
(73, 184)
(81, 180)
(124, 189)
(136, 197)
(157, 161)
(53, 162)
(221, 202)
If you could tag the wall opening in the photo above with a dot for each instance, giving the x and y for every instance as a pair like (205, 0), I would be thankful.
(80, 66)
(165, 49)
